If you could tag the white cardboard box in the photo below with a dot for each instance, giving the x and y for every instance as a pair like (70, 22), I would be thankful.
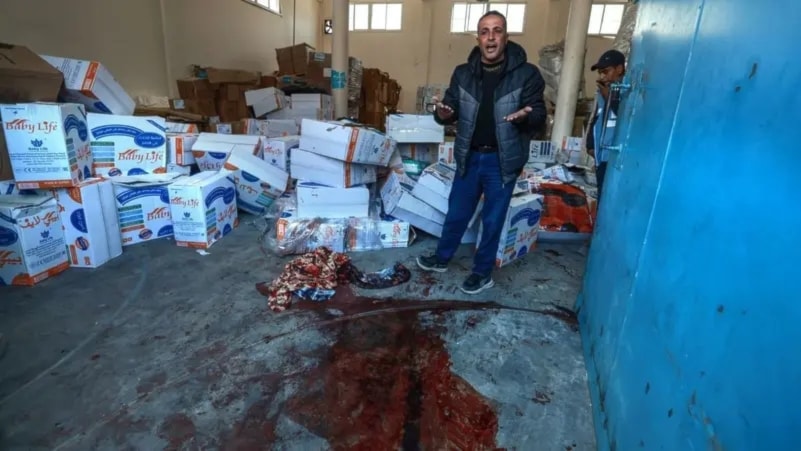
(277, 151)
(421, 152)
(143, 207)
(178, 127)
(257, 182)
(48, 144)
(319, 201)
(541, 152)
(175, 169)
(348, 143)
(272, 128)
(91, 226)
(446, 154)
(9, 187)
(32, 246)
(309, 166)
(203, 209)
(179, 148)
(212, 149)
(264, 100)
(128, 145)
(91, 84)
(311, 105)
(395, 233)
(434, 186)
(572, 152)
(522, 223)
(414, 128)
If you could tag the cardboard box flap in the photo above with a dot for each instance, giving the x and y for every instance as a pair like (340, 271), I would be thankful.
(220, 142)
(133, 181)
(255, 166)
(17, 203)
(19, 61)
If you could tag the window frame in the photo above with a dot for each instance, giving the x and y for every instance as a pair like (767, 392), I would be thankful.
(258, 4)
(370, 28)
(487, 7)
(605, 4)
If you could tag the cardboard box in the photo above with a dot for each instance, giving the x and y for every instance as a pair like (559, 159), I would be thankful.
(414, 128)
(212, 149)
(91, 84)
(9, 187)
(32, 246)
(48, 144)
(26, 77)
(345, 142)
(143, 207)
(91, 227)
(395, 233)
(128, 145)
(293, 60)
(541, 152)
(420, 152)
(572, 152)
(277, 151)
(446, 154)
(309, 166)
(173, 168)
(203, 107)
(257, 182)
(308, 104)
(263, 101)
(203, 209)
(272, 128)
(520, 229)
(434, 186)
(218, 76)
(320, 201)
(5, 161)
(301, 235)
(179, 127)
(196, 88)
(179, 148)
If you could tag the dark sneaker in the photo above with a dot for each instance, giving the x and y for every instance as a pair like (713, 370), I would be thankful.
(431, 263)
(476, 284)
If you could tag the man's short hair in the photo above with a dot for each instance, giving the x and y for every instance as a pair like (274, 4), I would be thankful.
(492, 13)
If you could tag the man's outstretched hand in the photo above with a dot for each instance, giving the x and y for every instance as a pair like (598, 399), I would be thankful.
(519, 115)
(444, 112)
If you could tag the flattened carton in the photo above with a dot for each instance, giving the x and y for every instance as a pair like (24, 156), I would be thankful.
(257, 183)
(32, 246)
(91, 227)
(203, 209)
(128, 145)
(48, 144)
(143, 207)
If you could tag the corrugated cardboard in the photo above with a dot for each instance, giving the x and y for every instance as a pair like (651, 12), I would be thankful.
(143, 207)
(203, 209)
(263, 101)
(26, 77)
(277, 151)
(414, 128)
(520, 228)
(309, 166)
(32, 246)
(8, 187)
(212, 149)
(179, 148)
(319, 201)
(48, 144)
(345, 142)
(196, 88)
(257, 183)
(218, 76)
(128, 145)
(91, 84)
(434, 186)
(293, 59)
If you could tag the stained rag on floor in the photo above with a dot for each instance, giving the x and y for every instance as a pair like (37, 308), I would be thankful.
(315, 275)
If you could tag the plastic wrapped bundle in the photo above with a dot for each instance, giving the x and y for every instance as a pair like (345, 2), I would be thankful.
(286, 234)
(550, 65)
(355, 75)
(626, 31)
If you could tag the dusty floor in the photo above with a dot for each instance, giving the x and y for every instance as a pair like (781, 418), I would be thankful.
(164, 348)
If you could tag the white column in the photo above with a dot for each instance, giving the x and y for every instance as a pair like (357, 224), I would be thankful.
(339, 59)
(572, 68)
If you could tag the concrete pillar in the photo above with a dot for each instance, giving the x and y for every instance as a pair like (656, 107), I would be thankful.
(339, 59)
(572, 68)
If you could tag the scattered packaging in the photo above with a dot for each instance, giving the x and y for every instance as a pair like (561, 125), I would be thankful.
(91, 226)
(91, 84)
(434, 186)
(421, 152)
(178, 127)
(272, 128)
(571, 150)
(310, 166)
(143, 207)
(263, 101)
(128, 145)
(520, 229)
(277, 150)
(9, 187)
(319, 201)
(179, 149)
(541, 152)
(568, 212)
(414, 128)
(173, 168)
(346, 142)
(257, 183)
(212, 149)
(446, 154)
(32, 246)
(48, 144)
(203, 209)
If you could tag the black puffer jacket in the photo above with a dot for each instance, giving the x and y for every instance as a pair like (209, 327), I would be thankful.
(521, 85)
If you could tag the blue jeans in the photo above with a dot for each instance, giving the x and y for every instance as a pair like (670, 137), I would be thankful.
(483, 176)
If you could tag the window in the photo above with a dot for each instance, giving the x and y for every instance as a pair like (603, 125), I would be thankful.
(605, 19)
(375, 16)
(465, 16)
(269, 5)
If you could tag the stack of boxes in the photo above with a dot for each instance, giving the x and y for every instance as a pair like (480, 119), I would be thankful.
(380, 95)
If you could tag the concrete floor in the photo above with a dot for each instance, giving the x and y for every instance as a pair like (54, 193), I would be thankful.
(164, 348)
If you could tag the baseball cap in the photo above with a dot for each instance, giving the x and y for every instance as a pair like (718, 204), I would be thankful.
(610, 58)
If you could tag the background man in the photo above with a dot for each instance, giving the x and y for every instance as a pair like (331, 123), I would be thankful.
(496, 100)
(611, 67)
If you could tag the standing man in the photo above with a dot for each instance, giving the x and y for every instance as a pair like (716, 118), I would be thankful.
(496, 100)
(611, 68)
